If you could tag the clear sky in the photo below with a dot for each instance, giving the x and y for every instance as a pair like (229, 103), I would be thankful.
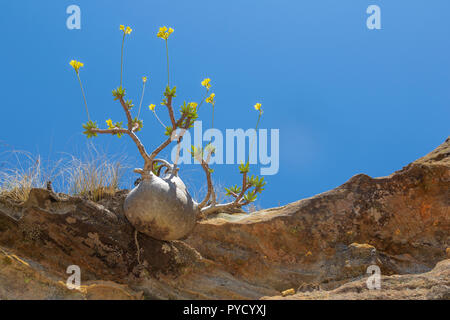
(346, 99)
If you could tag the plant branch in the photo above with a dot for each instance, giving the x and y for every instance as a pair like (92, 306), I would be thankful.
(140, 146)
(236, 203)
(142, 98)
(121, 60)
(210, 194)
(110, 131)
(170, 109)
(168, 72)
(157, 118)
(127, 113)
(132, 135)
(149, 164)
(84, 96)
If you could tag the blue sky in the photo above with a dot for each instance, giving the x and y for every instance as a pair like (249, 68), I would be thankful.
(346, 99)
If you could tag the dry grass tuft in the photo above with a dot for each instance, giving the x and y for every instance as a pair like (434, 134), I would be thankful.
(17, 181)
(94, 176)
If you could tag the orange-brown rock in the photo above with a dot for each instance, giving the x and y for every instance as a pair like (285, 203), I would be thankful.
(400, 223)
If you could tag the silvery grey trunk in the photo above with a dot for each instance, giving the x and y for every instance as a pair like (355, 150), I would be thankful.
(161, 207)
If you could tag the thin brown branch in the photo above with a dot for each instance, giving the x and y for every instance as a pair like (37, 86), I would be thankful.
(205, 167)
(110, 131)
(132, 135)
(127, 112)
(140, 146)
(244, 188)
(170, 109)
(236, 203)
(149, 164)
(163, 145)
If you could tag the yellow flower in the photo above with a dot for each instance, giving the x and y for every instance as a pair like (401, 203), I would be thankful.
(210, 99)
(126, 30)
(163, 33)
(207, 83)
(152, 107)
(76, 65)
(109, 124)
(144, 79)
(258, 107)
(193, 104)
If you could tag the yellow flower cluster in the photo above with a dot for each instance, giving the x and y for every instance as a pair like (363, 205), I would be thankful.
(207, 83)
(144, 79)
(193, 105)
(258, 107)
(210, 99)
(152, 107)
(163, 33)
(110, 124)
(126, 30)
(76, 65)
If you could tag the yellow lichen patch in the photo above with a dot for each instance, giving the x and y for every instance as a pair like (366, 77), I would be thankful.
(362, 246)
(288, 292)
(309, 253)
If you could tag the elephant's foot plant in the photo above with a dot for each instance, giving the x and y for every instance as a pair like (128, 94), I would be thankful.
(160, 205)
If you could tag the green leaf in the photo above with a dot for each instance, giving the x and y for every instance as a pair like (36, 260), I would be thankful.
(118, 93)
(168, 131)
(244, 168)
(119, 126)
(139, 122)
(156, 167)
(170, 92)
(197, 153)
(250, 196)
(233, 189)
(129, 104)
(89, 126)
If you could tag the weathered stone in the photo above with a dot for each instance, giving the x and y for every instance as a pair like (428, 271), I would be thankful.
(322, 245)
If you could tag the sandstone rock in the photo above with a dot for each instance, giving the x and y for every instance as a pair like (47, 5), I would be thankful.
(322, 245)
(433, 285)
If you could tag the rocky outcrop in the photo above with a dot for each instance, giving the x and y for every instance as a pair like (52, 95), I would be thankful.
(320, 247)
(401, 221)
(433, 285)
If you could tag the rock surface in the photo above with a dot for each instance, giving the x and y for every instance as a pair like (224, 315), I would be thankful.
(321, 247)
(433, 285)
